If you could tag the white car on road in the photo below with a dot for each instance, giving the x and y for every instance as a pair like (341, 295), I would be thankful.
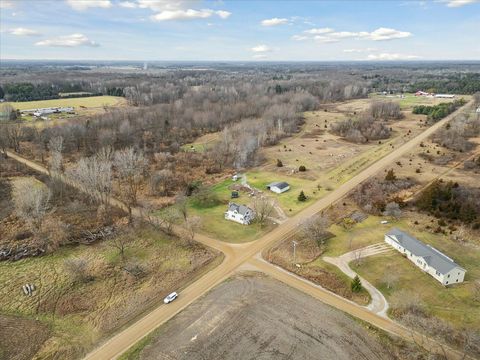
(170, 298)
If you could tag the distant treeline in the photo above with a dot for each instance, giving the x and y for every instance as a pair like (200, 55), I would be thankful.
(439, 111)
(453, 84)
(45, 91)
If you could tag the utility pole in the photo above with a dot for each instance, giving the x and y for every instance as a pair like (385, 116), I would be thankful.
(294, 243)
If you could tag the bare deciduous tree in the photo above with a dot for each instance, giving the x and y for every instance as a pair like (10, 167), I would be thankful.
(390, 277)
(393, 210)
(31, 202)
(263, 207)
(121, 243)
(130, 165)
(315, 228)
(192, 224)
(95, 176)
(170, 217)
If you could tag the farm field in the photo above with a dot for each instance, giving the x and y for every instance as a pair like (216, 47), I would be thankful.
(87, 102)
(82, 105)
(263, 326)
(410, 100)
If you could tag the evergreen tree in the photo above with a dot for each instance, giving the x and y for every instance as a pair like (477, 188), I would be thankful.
(301, 196)
(356, 284)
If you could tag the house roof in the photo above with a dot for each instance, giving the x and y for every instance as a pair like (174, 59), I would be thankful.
(241, 209)
(280, 185)
(433, 257)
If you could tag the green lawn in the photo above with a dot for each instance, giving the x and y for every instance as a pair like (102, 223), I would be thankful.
(288, 200)
(88, 102)
(213, 219)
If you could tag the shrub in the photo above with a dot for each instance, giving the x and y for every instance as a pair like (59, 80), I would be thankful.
(390, 175)
(302, 168)
(279, 163)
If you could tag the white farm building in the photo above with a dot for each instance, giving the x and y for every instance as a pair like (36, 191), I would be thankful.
(426, 257)
(278, 187)
(445, 96)
(239, 213)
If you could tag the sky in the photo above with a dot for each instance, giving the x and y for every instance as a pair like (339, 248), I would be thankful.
(239, 30)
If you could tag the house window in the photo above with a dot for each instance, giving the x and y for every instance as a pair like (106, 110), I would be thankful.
(456, 280)
(448, 276)
(446, 282)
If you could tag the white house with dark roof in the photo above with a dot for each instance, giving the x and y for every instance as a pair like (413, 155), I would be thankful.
(278, 187)
(239, 213)
(426, 257)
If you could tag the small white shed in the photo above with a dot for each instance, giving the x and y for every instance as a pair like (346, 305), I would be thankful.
(278, 187)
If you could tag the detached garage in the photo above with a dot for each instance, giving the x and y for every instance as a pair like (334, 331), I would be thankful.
(278, 187)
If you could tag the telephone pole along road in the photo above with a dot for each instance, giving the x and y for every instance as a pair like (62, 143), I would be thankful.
(236, 255)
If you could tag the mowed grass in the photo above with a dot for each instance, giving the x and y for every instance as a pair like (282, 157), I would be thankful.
(289, 199)
(88, 102)
(213, 219)
(368, 232)
(454, 304)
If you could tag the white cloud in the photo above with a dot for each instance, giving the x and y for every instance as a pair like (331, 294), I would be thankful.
(188, 14)
(300, 37)
(390, 57)
(165, 5)
(68, 41)
(328, 35)
(23, 32)
(358, 50)
(274, 22)
(261, 48)
(81, 5)
(223, 14)
(178, 10)
(319, 31)
(388, 34)
(128, 4)
(459, 3)
(6, 4)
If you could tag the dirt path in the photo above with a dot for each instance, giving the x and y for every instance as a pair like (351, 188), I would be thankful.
(379, 304)
(239, 254)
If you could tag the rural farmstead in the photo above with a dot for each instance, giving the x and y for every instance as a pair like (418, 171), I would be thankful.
(239, 213)
(426, 257)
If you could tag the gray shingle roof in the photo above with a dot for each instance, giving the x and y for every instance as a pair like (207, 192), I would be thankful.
(433, 257)
(241, 209)
(280, 185)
